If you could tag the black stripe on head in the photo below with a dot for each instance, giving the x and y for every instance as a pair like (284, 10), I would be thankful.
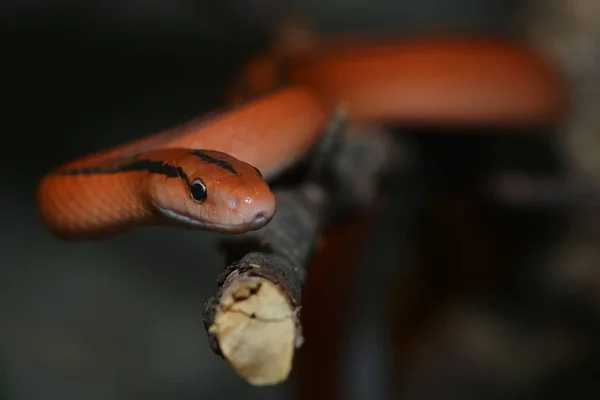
(211, 160)
(141, 165)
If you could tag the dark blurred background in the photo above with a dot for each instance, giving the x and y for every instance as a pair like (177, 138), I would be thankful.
(122, 318)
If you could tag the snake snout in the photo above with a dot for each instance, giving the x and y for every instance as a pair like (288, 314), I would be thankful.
(260, 211)
(260, 220)
(261, 217)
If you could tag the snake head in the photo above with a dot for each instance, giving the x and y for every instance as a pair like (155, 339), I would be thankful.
(213, 191)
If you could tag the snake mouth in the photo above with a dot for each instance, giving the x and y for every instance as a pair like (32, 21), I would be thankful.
(183, 220)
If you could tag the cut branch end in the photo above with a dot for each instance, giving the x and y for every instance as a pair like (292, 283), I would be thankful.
(255, 326)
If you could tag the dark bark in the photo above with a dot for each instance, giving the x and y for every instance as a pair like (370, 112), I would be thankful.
(280, 252)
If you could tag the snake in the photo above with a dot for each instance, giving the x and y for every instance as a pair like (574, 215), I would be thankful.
(213, 172)
(210, 173)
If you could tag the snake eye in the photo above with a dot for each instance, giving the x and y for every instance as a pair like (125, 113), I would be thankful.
(198, 191)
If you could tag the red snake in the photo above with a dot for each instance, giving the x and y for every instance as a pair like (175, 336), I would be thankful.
(207, 174)
(204, 174)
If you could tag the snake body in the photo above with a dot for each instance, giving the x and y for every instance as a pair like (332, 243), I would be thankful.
(213, 173)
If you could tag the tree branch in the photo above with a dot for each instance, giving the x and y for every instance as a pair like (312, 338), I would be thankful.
(253, 321)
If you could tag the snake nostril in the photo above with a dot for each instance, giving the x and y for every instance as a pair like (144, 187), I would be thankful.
(233, 204)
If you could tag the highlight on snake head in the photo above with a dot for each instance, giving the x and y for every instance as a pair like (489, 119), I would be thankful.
(215, 192)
